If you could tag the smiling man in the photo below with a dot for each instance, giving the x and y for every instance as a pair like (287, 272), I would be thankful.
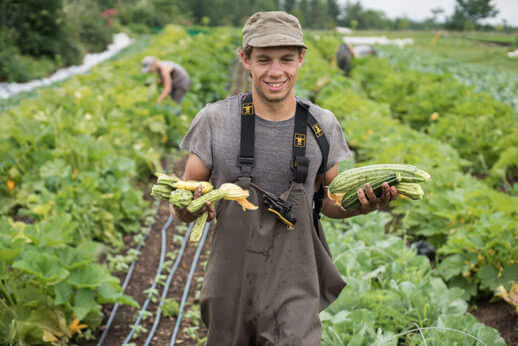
(270, 272)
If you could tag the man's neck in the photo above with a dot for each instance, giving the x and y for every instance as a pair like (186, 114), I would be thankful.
(275, 111)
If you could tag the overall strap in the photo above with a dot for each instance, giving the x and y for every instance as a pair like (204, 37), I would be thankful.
(323, 143)
(246, 154)
(300, 161)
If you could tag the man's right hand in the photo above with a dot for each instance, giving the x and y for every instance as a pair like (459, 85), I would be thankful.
(188, 217)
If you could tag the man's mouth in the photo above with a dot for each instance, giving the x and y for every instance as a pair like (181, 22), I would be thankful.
(275, 85)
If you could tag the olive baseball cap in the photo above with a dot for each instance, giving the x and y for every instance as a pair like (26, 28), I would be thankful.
(272, 29)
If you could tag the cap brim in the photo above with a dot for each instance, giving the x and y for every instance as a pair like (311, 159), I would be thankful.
(275, 40)
(146, 69)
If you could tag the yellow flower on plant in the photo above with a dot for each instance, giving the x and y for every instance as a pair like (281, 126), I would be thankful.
(75, 327)
(10, 185)
(49, 337)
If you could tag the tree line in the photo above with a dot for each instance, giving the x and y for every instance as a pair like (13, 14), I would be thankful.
(313, 14)
(37, 37)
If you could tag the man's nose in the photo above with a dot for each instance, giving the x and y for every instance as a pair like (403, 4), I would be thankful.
(276, 68)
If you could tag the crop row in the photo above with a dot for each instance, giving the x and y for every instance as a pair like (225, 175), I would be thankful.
(397, 291)
(479, 127)
(470, 223)
(429, 94)
(71, 163)
(499, 84)
(393, 295)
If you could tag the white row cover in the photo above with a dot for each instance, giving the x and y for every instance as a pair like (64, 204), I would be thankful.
(120, 41)
(400, 42)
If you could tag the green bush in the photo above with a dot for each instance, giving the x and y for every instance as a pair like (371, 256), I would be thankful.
(70, 51)
(86, 23)
(11, 67)
(39, 26)
(152, 13)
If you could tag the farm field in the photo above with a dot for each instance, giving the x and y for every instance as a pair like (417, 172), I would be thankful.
(458, 46)
(75, 210)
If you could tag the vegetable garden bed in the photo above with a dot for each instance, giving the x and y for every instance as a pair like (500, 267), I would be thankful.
(379, 139)
(73, 158)
(393, 297)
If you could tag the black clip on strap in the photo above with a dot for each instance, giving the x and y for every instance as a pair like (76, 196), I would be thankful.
(246, 160)
(277, 206)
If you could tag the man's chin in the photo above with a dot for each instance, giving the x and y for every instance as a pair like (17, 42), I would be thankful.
(276, 98)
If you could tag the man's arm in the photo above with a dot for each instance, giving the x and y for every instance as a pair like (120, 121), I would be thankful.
(368, 200)
(166, 79)
(195, 169)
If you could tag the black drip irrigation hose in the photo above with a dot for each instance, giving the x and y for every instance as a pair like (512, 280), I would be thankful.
(158, 272)
(156, 205)
(188, 284)
(168, 283)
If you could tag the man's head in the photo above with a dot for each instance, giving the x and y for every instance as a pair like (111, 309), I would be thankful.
(272, 29)
(273, 51)
(148, 63)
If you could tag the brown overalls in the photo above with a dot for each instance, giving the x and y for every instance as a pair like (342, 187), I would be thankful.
(265, 284)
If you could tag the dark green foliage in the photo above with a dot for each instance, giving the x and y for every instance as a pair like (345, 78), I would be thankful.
(358, 17)
(11, 67)
(39, 25)
(152, 13)
(37, 37)
(88, 26)
(469, 12)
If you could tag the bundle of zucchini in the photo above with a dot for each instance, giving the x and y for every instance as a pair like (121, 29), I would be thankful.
(180, 194)
(343, 188)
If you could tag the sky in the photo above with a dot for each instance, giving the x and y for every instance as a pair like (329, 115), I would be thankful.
(420, 9)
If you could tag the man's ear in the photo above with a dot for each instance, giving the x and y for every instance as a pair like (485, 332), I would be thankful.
(302, 55)
(244, 59)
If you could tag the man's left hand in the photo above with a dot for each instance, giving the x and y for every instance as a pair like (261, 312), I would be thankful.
(370, 202)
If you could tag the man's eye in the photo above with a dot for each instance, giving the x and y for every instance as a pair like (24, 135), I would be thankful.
(263, 60)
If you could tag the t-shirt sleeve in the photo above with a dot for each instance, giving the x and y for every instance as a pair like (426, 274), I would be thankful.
(338, 149)
(198, 139)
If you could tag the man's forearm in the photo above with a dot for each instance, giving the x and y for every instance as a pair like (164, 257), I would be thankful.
(335, 211)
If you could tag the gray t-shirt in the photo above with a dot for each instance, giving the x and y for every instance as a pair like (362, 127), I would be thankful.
(214, 136)
(179, 76)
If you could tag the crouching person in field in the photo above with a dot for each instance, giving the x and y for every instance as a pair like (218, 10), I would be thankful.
(173, 77)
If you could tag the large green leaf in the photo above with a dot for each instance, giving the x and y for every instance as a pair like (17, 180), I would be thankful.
(488, 275)
(43, 321)
(44, 266)
(81, 255)
(510, 274)
(84, 302)
(63, 292)
(9, 247)
(110, 292)
(465, 330)
(91, 276)
(57, 231)
(451, 266)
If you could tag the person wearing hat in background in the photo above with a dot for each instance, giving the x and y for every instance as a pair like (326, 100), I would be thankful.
(270, 271)
(174, 77)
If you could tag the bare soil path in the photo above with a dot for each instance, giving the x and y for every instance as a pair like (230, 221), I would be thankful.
(192, 331)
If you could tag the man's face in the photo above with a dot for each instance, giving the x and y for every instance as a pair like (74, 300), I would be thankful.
(274, 71)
